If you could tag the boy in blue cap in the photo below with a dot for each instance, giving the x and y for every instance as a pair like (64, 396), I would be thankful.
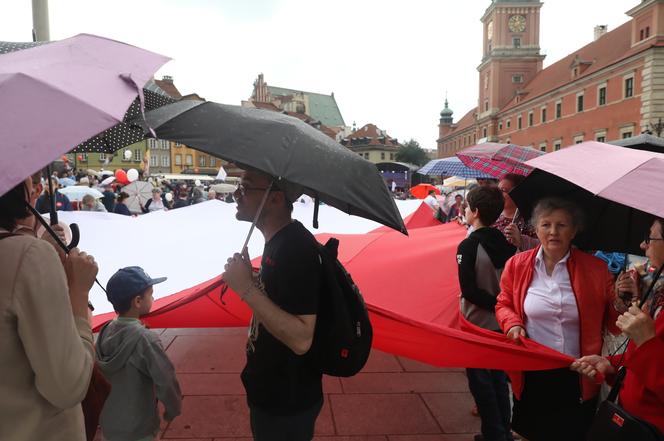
(134, 361)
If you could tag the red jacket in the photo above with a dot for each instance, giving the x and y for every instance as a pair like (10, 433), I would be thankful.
(593, 288)
(642, 393)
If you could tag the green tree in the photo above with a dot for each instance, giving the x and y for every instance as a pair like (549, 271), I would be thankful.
(412, 153)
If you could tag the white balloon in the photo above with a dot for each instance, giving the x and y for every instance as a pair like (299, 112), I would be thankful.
(169, 196)
(132, 174)
(127, 154)
(197, 182)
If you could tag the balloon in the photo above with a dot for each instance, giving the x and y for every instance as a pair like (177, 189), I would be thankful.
(132, 174)
(65, 158)
(127, 154)
(197, 182)
(121, 176)
(196, 170)
(169, 196)
(79, 157)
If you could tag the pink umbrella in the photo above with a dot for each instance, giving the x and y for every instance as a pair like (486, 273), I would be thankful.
(498, 159)
(57, 95)
(618, 188)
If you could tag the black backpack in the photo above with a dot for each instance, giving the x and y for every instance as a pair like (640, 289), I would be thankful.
(343, 335)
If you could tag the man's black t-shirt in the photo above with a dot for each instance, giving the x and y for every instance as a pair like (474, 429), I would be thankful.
(275, 378)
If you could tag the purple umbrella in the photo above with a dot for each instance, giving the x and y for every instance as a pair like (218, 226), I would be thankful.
(54, 96)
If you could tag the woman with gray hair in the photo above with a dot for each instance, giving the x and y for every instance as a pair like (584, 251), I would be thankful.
(562, 298)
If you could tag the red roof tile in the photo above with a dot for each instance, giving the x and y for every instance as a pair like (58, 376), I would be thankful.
(168, 87)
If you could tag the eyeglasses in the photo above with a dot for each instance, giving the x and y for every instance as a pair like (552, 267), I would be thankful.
(648, 239)
(243, 189)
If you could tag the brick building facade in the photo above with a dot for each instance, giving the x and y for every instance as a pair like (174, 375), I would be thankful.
(610, 89)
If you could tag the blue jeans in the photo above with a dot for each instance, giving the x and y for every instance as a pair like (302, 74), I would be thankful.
(266, 426)
(491, 393)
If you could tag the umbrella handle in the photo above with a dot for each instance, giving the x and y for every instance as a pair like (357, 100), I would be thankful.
(75, 236)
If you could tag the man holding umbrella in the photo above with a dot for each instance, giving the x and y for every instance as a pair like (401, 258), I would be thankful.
(284, 389)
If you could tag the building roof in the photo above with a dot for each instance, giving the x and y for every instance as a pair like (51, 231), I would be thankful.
(370, 135)
(167, 86)
(605, 51)
(468, 120)
(321, 107)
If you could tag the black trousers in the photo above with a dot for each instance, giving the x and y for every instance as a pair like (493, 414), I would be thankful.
(551, 407)
(491, 393)
(299, 426)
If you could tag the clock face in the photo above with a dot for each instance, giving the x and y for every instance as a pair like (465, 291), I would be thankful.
(517, 23)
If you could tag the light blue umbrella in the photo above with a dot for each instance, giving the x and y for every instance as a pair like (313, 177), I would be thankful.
(66, 182)
(451, 167)
(76, 192)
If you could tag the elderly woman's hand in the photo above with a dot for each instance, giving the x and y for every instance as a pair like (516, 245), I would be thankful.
(637, 325)
(591, 365)
(514, 235)
(627, 291)
(515, 332)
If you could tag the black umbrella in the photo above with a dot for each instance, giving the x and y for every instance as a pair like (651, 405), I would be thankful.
(610, 226)
(122, 134)
(283, 147)
(642, 142)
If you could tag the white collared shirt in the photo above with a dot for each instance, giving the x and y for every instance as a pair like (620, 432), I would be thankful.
(552, 316)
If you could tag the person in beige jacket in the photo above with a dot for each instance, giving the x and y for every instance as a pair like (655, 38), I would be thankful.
(45, 337)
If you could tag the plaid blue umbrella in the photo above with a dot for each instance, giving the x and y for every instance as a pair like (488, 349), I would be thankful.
(451, 167)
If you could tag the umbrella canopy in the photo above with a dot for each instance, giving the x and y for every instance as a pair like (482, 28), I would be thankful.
(107, 181)
(66, 182)
(284, 147)
(223, 188)
(498, 160)
(56, 95)
(642, 142)
(421, 191)
(77, 192)
(619, 193)
(139, 192)
(456, 181)
(451, 167)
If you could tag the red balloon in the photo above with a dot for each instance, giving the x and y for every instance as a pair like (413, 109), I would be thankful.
(121, 176)
(79, 157)
(65, 158)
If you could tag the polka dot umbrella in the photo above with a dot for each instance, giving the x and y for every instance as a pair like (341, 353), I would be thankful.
(123, 133)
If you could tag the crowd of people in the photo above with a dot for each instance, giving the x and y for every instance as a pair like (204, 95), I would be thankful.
(519, 277)
(166, 195)
(531, 282)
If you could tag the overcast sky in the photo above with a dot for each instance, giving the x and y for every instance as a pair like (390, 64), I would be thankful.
(388, 62)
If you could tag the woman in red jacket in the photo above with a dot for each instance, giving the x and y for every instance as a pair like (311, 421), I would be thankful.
(562, 298)
(642, 394)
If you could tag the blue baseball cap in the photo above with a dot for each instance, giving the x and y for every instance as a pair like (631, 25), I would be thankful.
(129, 282)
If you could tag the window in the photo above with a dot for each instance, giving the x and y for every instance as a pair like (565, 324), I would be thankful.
(601, 96)
(516, 42)
(518, 122)
(641, 34)
(601, 139)
(366, 155)
(165, 161)
(84, 157)
(391, 156)
(509, 123)
(201, 161)
(626, 135)
(153, 161)
(213, 162)
(484, 132)
(579, 103)
(578, 139)
(556, 146)
(178, 159)
(647, 31)
(517, 79)
(189, 160)
(486, 105)
(177, 144)
(559, 109)
(543, 115)
(138, 155)
(500, 125)
(530, 119)
(629, 87)
(152, 143)
(543, 147)
(102, 156)
(382, 156)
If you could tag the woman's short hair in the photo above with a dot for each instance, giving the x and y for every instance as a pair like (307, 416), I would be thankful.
(514, 178)
(550, 204)
(14, 206)
(122, 196)
(488, 201)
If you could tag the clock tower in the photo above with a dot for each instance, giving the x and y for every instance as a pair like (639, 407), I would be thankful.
(511, 56)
